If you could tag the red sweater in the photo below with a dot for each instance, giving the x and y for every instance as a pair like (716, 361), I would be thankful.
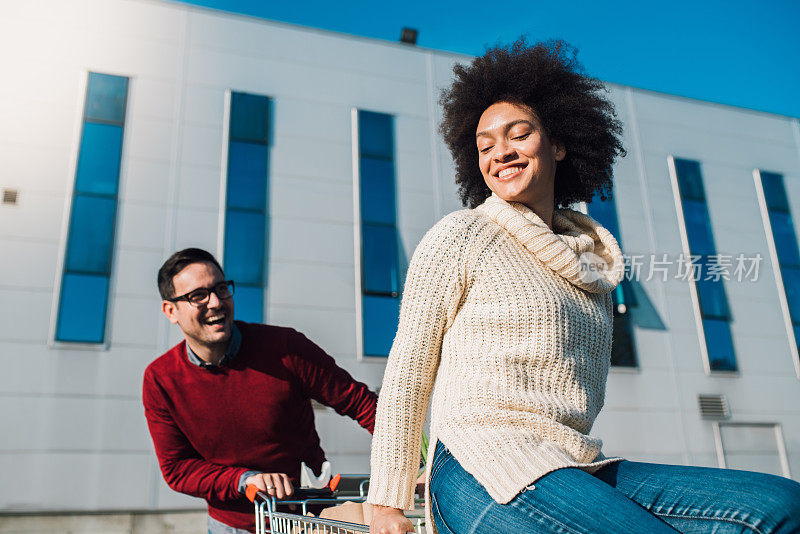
(211, 425)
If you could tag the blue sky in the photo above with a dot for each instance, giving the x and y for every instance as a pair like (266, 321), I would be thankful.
(742, 53)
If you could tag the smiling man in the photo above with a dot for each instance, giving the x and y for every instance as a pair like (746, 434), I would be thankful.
(230, 405)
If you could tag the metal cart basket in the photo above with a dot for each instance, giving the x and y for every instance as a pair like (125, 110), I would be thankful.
(270, 521)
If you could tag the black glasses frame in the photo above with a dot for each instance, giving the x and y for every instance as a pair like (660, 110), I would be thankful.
(229, 284)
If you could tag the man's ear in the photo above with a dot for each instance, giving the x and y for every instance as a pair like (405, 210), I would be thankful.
(559, 151)
(168, 307)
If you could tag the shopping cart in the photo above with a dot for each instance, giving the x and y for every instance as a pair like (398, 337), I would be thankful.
(271, 521)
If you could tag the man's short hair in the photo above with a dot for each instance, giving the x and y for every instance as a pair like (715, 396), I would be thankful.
(176, 263)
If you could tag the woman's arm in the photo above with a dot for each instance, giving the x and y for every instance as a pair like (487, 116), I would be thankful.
(433, 291)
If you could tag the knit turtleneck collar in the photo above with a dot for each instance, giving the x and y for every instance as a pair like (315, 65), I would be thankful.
(578, 248)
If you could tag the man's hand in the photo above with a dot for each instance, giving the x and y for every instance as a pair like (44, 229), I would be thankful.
(386, 520)
(273, 484)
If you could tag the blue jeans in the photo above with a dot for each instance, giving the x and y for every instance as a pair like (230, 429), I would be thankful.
(217, 527)
(625, 497)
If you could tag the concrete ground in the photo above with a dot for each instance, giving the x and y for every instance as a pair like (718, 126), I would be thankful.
(192, 522)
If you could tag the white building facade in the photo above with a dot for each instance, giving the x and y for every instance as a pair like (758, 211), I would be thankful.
(128, 133)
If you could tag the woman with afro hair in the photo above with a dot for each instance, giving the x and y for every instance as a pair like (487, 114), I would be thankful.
(505, 327)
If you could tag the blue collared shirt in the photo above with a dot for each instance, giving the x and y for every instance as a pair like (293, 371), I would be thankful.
(233, 349)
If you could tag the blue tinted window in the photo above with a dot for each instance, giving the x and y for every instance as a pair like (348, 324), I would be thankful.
(105, 98)
(379, 258)
(690, 181)
(785, 240)
(99, 159)
(698, 227)
(622, 352)
(796, 330)
(83, 300)
(246, 203)
(784, 237)
(377, 190)
(605, 212)
(719, 345)
(713, 302)
(82, 308)
(791, 284)
(774, 192)
(244, 247)
(247, 175)
(379, 246)
(248, 303)
(249, 117)
(375, 134)
(381, 315)
(91, 234)
(628, 296)
(618, 296)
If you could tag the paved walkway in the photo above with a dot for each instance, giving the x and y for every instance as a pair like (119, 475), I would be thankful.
(192, 522)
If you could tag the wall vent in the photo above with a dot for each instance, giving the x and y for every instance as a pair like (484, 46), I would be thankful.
(409, 35)
(714, 406)
(10, 196)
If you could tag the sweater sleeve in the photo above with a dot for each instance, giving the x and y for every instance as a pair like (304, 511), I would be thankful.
(432, 294)
(183, 468)
(326, 382)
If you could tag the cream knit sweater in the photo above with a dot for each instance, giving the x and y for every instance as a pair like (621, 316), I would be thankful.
(513, 323)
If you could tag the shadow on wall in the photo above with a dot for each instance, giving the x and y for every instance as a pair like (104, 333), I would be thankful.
(646, 315)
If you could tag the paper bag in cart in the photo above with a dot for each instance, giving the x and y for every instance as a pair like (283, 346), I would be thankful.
(351, 512)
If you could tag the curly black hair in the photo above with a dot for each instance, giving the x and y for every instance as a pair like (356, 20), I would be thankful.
(547, 78)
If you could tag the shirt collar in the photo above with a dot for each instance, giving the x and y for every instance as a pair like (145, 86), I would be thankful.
(233, 349)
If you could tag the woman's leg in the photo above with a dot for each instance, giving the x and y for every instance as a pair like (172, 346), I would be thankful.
(564, 501)
(702, 499)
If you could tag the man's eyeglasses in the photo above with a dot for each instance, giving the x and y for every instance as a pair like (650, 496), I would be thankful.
(200, 296)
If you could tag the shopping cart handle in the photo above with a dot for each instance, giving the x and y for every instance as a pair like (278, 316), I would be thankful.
(299, 494)
(311, 493)
(251, 491)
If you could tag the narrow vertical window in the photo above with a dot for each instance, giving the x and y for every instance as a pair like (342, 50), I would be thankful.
(244, 258)
(83, 302)
(623, 352)
(714, 311)
(784, 240)
(380, 280)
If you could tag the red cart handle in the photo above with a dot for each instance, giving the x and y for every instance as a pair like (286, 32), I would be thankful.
(251, 492)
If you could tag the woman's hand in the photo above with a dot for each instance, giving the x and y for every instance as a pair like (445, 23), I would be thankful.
(386, 520)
